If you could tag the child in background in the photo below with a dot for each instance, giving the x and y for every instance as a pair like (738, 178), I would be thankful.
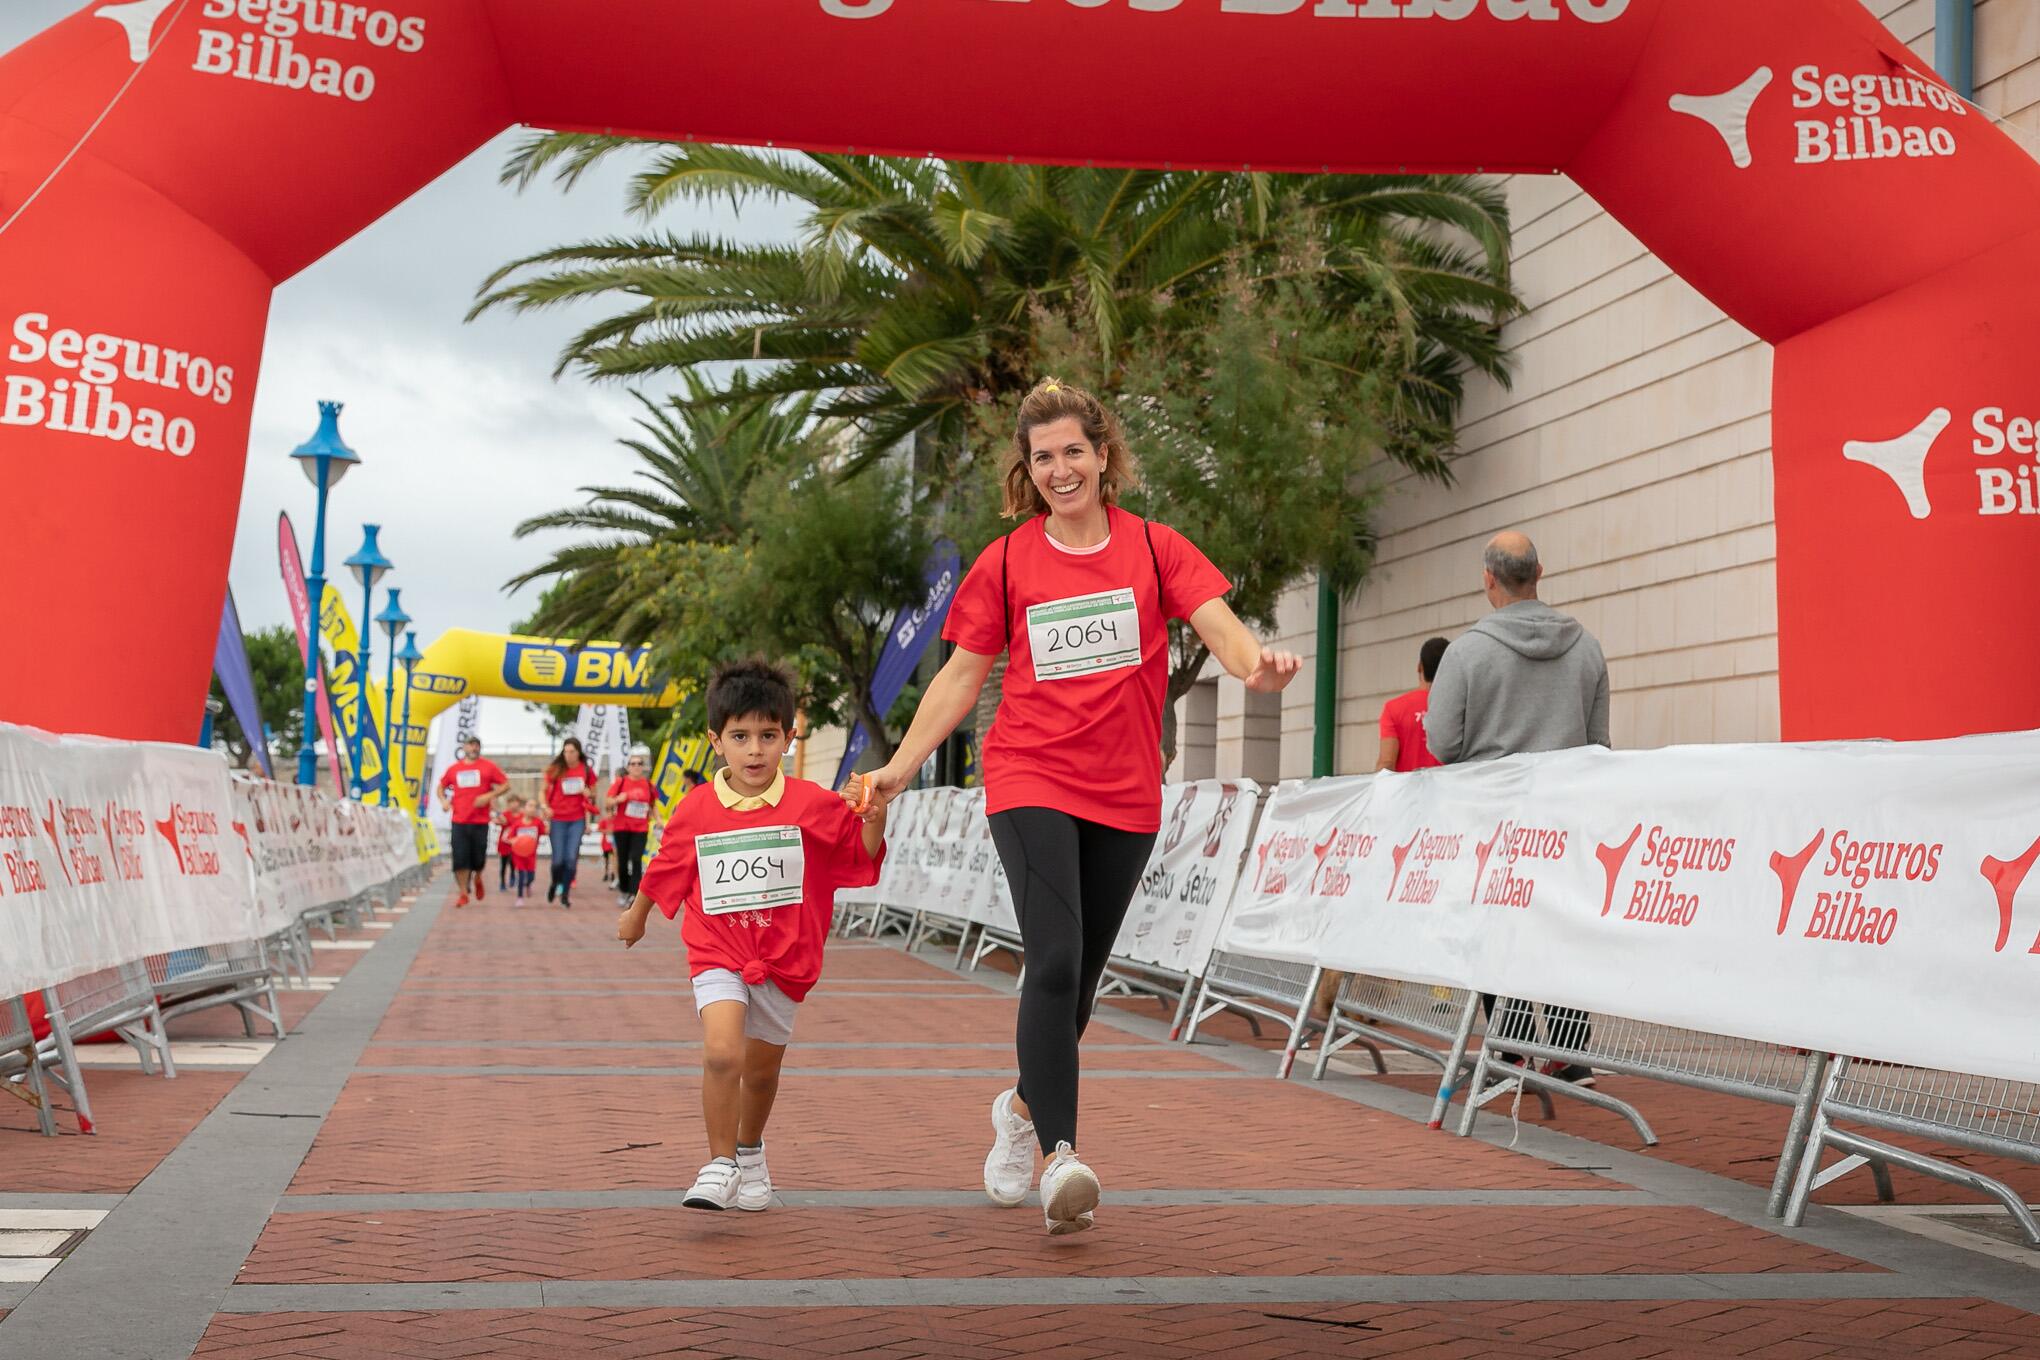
(754, 860)
(504, 819)
(526, 830)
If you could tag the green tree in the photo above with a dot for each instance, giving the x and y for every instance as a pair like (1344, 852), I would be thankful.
(913, 296)
(697, 459)
(815, 582)
(279, 670)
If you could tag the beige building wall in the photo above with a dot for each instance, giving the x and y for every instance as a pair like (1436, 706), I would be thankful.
(1634, 447)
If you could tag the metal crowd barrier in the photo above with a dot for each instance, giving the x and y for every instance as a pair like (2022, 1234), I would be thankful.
(1378, 1012)
(21, 1073)
(990, 940)
(1988, 1115)
(1709, 1062)
(1257, 988)
(239, 974)
(118, 999)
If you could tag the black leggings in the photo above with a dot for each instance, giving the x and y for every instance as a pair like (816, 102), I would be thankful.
(630, 860)
(1071, 881)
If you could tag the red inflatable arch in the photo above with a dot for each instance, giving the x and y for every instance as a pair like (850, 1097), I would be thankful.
(1789, 157)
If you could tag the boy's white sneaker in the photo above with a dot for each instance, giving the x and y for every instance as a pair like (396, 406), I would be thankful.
(1009, 1166)
(1069, 1192)
(715, 1187)
(754, 1182)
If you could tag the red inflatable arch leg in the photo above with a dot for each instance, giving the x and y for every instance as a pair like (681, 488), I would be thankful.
(1794, 162)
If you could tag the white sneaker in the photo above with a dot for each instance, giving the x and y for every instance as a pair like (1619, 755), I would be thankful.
(754, 1182)
(715, 1187)
(1009, 1166)
(1069, 1192)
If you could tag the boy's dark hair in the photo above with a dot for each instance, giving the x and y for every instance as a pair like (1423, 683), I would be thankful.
(1432, 653)
(753, 687)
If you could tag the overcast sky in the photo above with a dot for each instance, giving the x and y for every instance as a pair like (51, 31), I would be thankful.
(461, 429)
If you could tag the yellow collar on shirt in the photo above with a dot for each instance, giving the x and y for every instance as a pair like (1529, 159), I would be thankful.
(737, 802)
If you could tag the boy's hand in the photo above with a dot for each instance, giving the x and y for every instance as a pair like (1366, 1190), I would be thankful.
(630, 925)
(858, 794)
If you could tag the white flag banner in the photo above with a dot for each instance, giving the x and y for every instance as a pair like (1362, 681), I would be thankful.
(1191, 874)
(454, 728)
(604, 733)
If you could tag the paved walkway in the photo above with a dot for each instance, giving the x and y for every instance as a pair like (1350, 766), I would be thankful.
(475, 1144)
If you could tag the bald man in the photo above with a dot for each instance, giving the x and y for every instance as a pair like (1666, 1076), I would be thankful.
(1525, 678)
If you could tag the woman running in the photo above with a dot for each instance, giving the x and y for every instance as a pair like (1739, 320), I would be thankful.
(569, 800)
(630, 801)
(1080, 597)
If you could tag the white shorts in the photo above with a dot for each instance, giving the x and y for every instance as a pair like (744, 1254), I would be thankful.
(770, 1014)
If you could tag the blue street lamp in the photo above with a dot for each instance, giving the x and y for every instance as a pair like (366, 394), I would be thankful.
(368, 565)
(393, 618)
(410, 656)
(325, 460)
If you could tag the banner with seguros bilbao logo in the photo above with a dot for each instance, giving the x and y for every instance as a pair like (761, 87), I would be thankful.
(1866, 898)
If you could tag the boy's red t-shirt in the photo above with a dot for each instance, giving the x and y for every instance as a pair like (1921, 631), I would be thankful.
(628, 793)
(783, 944)
(1079, 729)
(1403, 718)
(571, 797)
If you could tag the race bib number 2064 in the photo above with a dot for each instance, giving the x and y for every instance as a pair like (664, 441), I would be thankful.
(755, 869)
(1084, 634)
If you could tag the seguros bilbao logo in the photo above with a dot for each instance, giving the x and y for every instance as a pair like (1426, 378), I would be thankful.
(541, 667)
(1839, 117)
(2005, 482)
(1665, 889)
(1854, 866)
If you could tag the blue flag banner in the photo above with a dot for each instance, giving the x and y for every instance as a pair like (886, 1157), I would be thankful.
(912, 631)
(237, 678)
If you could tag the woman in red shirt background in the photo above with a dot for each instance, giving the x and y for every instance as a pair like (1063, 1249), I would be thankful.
(569, 800)
(1080, 596)
(630, 801)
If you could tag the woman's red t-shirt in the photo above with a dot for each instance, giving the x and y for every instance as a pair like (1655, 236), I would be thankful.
(571, 797)
(783, 944)
(624, 792)
(1079, 728)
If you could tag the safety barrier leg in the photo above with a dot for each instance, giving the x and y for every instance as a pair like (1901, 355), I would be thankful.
(1796, 1133)
(150, 1037)
(37, 1095)
(1455, 1062)
(1296, 1026)
(1191, 986)
(71, 1078)
(963, 944)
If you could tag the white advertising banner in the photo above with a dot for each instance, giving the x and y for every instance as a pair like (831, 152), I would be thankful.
(110, 851)
(1279, 906)
(114, 851)
(1174, 919)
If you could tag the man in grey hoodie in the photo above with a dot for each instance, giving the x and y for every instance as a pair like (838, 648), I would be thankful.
(1525, 678)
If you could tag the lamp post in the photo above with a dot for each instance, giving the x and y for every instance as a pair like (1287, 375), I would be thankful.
(368, 565)
(393, 618)
(325, 460)
(410, 656)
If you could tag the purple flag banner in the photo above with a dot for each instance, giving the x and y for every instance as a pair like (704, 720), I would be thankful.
(237, 678)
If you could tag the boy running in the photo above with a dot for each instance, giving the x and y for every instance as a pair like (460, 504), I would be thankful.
(755, 860)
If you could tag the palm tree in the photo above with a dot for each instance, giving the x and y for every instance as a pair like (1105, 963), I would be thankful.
(701, 452)
(913, 294)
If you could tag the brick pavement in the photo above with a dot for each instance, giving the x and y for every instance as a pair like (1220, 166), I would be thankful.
(1460, 1248)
